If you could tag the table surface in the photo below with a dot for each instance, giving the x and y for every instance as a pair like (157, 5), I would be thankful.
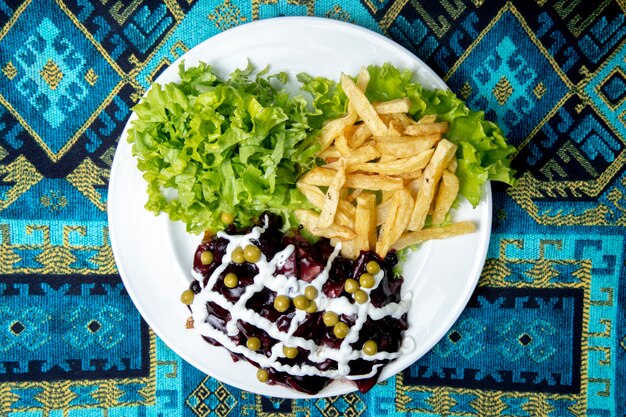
(545, 331)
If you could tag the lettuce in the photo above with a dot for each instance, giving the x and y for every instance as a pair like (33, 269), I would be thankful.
(483, 153)
(207, 146)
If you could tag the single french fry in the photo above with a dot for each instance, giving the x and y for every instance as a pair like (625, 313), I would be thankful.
(362, 106)
(341, 143)
(444, 152)
(335, 127)
(365, 222)
(400, 105)
(331, 201)
(411, 175)
(330, 153)
(358, 156)
(438, 232)
(426, 128)
(309, 219)
(427, 119)
(395, 128)
(363, 79)
(361, 134)
(446, 194)
(453, 165)
(407, 148)
(319, 176)
(397, 166)
(404, 119)
(373, 182)
(383, 243)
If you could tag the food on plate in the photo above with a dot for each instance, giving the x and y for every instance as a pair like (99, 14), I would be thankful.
(387, 175)
(298, 311)
(218, 151)
(305, 205)
(404, 165)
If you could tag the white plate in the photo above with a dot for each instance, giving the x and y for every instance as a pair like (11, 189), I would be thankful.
(154, 255)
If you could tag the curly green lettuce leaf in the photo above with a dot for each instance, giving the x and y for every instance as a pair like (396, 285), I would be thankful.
(207, 146)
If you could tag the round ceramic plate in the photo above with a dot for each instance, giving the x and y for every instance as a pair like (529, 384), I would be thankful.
(154, 255)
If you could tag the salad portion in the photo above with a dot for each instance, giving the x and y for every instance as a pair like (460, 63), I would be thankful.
(306, 203)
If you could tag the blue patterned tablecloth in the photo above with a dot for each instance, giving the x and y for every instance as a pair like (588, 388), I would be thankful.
(544, 333)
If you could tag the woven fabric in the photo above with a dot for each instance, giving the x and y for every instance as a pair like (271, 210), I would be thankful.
(545, 331)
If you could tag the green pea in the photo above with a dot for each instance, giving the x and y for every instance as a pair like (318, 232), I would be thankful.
(370, 348)
(231, 280)
(207, 257)
(301, 302)
(187, 297)
(252, 254)
(227, 218)
(360, 297)
(262, 375)
(372, 267)
(281, 303)
(237, 256)
(310, 292)
(253, 343)
(290, 352)
(330, 318)
(340, 330)
(312, 308)
(367, 280)
(351, 285)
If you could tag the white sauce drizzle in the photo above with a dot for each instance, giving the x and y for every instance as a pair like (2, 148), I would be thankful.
(292, 286)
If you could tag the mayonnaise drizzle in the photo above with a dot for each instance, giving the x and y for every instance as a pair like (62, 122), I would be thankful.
(291, 286)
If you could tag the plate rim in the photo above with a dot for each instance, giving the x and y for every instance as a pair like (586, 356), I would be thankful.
(486, 198)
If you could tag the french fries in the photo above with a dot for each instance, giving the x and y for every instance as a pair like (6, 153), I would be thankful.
(384, 174)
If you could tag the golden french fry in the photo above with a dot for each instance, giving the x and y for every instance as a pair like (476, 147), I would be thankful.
(446, 194)
(309, 219)
(411, 175)
(362, 106)
(426, 128)
(404, 119)
(365, 222)
(361, 134)
(438, 232)
(341, 143)
(354, 194)
(358, 156)
(374, 182)
(406, 148)
(399, 105)
(383, 243)
(395, 167)
(363, 79)
(330, 153)
(429, 118)
(319, 176)
(335, 127)
(395, 128)
(444, 152)
(453, 165)
(331, 201)
(398, 216)
(345, 210)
